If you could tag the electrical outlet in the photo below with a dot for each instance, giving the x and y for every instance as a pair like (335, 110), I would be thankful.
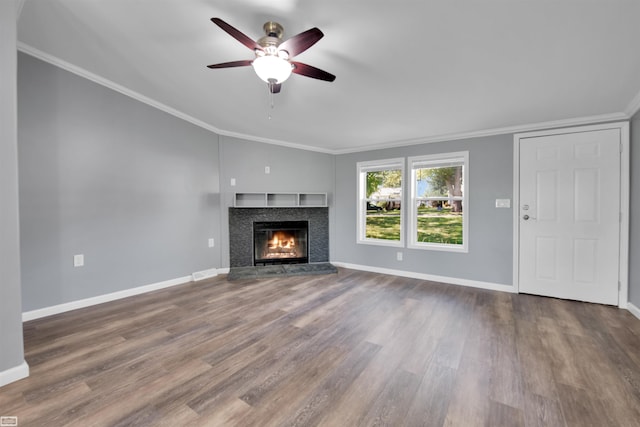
(267, 170)
(233, 182)
(211, 242)
(399, 256)
(78, 260)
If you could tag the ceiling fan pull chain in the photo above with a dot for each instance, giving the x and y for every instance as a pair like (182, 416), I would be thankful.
(270, 101)
(270, 86)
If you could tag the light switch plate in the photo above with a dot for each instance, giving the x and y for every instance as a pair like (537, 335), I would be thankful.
(78, 260)
(503, 203)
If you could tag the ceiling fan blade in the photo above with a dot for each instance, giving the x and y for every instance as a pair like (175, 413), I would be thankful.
(313, 72)
(275, 87)
(242, 63)
(237, 34)
(303, 41)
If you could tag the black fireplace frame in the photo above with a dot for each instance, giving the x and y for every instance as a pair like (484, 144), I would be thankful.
(271, 227)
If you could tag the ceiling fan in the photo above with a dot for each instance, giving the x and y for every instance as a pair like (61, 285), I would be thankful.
(273, 62)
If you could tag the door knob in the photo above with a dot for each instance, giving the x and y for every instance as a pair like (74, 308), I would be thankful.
(526, 217)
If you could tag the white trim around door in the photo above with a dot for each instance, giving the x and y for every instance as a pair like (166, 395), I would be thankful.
(623, 266)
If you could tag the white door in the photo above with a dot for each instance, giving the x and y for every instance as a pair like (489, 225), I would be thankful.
(569, 221)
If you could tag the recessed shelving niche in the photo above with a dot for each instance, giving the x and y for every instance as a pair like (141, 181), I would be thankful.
(279, 200)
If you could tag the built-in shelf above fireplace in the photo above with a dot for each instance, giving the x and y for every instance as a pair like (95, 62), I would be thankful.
(280, 200)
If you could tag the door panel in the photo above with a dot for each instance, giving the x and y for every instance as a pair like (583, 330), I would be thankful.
(569, 215)
(585, 260)
(546, 257)
(586, 195)
(547, 195)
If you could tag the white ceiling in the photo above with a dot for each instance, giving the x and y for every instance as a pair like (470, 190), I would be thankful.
(407, 72)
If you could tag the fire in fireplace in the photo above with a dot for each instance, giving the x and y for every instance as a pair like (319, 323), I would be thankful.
(280, 242)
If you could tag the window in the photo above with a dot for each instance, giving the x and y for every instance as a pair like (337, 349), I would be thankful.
(439, 213)
(380, 202)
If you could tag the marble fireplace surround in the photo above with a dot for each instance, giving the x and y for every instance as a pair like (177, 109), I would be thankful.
(241, 231)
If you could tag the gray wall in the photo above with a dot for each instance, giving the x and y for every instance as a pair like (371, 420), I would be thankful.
(292, 171)
(11, 348)
(634, 226)
(490, 230)
(132, 188)
(138, 192)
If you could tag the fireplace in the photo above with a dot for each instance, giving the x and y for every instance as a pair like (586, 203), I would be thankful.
(280, 242)
(241, 231)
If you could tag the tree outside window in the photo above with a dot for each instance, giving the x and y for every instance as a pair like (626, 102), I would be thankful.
(438, 215)
(380, 202)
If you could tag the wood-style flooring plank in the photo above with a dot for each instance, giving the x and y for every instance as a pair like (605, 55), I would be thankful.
(540, 411)
(328, 394)
(391, 406)
(276, 403)
(352, 348)
(536, 367)
(469, 404)
(501, 415)
(430, 404)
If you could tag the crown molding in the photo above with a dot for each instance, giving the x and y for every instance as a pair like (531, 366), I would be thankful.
(19, 6)
(633, 107)
(276, 142)
(578, 121)
(67, 66)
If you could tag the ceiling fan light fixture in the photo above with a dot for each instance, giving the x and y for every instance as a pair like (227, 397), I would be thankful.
(271, 67)
(272, 62)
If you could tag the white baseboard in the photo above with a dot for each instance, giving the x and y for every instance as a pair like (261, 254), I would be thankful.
(204, 274)
(224, 270)
(74, 305)
(431, 277)
(633, 309)
(14, 374)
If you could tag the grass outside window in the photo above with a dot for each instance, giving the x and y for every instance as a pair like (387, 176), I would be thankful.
(383, 225)
(434, 225)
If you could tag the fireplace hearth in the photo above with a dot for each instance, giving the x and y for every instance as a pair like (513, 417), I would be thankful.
(280, 242)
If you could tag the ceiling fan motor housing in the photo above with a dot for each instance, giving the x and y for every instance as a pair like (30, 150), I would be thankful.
(273, 29)
(271, 40)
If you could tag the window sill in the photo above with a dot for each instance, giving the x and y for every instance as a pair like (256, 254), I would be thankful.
(438, 247)
(380, 242)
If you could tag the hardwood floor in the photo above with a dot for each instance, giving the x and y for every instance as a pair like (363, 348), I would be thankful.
(349, 349)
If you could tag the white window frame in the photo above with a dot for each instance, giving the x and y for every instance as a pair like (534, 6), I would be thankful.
(371, 166)
(435, 160)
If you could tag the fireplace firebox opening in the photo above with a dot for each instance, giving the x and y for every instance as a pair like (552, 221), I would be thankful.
(280, 242)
